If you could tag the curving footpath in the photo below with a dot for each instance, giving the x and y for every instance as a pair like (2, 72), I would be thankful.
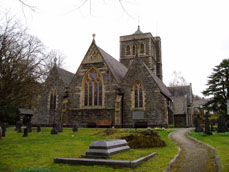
(193, 156)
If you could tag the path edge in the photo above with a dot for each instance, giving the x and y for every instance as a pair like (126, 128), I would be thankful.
(217, 159)
(169, 166)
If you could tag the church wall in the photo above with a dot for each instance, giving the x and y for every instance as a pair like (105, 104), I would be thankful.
(42, 113)
(80, 114)
(155, 104)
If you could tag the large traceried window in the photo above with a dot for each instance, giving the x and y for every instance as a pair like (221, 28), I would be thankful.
(93, 88)
(138, 95)
(52, 100)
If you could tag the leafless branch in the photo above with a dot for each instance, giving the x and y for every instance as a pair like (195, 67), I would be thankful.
(33, 8)
(124, 9)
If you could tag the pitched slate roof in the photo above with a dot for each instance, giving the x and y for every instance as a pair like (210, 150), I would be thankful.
(160, 84)
(118, 70)
(182, 91)
(180, 105)
(25, 111)
(66, 76)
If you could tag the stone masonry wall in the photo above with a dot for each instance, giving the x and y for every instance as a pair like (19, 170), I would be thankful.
(155, 109)
(43, 115)
(77, 112)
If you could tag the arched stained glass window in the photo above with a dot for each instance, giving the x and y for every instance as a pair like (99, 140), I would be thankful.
(138, 95)
(93, 88)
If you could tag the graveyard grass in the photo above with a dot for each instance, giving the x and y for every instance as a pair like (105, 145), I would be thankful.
(220, 141)
(39, 150)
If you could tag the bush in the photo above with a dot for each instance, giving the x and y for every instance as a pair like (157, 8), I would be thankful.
(39, 169)
(144, 139)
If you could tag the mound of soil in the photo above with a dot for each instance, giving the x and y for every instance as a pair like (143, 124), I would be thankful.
(145, 139)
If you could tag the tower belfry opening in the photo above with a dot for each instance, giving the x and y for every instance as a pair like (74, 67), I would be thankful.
(147, 47)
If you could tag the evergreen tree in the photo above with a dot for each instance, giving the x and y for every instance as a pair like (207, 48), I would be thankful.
(218, 87)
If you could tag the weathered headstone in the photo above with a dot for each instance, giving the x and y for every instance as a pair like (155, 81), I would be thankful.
(212, 125)
(207, 130)
(74, 128)
(16, 128)
(19, 127)
(3, 129)
(221, 125)
(54, 129)
(106, 148)
(38, 128)
(198, 127)
(29, 127)
(0, 132)
(25, 132)
(60, 127)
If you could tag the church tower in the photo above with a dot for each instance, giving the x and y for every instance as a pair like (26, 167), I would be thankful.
(147, 47)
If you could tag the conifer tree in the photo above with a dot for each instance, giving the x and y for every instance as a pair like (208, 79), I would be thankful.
(218, 87)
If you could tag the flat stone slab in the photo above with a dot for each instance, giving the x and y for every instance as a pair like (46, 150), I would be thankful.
(116, 163)
(106, 148)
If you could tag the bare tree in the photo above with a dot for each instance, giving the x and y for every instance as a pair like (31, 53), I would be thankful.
(178, 79)
(80, 4)
(21, 67)
(50, 61)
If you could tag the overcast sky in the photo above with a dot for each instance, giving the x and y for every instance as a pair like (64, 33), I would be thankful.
(194, 33)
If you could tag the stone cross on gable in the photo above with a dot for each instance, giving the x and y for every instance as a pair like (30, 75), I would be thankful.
(93, 35)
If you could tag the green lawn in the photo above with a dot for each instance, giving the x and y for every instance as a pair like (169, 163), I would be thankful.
(220, 141)
(39, 150)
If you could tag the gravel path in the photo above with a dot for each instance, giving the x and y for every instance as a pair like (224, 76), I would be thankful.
(194, 157)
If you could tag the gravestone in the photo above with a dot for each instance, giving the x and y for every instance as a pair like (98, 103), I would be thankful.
(19, 127)
(60, 127)
(25, 132)
(221, 125)
(54, 129)
(106, 148)
(29, 127)
(74, 128)
(207, 130)
(3, 129)
(38, 128)
(212, 125)
(198, 127)
(0, 132)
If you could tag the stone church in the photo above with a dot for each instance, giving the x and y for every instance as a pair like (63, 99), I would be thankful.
(106, 92)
